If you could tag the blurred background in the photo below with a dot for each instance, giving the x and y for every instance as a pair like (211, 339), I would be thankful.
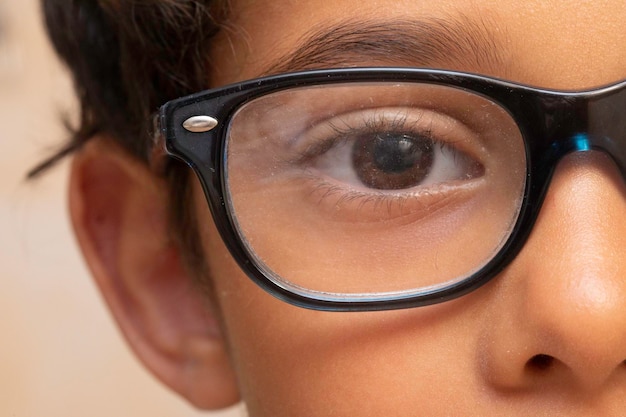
(60, 353)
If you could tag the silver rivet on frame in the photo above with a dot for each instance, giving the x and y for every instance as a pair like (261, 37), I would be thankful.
(199, 124)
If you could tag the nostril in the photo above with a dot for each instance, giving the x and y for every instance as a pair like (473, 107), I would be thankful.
(540, 362)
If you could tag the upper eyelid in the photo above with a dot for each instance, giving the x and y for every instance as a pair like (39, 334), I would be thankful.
(342, 134)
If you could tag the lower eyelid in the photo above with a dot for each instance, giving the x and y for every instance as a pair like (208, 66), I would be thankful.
(354, 206)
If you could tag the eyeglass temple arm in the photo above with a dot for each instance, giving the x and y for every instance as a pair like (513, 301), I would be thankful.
(157, 149)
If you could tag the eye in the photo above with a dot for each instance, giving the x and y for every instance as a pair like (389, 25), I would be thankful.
(393, 152)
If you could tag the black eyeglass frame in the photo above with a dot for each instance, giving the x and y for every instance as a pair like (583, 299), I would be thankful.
(552, 124)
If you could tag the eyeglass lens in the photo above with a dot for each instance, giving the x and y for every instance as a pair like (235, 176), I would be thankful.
(373, 188)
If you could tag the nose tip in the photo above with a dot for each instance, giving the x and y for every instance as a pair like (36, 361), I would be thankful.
(577, 335)
(562, 315)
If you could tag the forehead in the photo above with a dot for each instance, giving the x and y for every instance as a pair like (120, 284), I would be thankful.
(556, 44)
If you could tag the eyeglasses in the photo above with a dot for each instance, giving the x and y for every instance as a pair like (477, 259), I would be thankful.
(381, 188)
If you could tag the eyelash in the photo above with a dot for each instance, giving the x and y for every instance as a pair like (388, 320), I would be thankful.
(341, 135)
(378, 198)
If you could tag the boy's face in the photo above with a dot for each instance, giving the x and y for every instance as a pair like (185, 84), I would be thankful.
(546, 337)
(563, 297)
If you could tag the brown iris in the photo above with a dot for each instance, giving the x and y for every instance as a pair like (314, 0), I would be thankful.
(392, 161)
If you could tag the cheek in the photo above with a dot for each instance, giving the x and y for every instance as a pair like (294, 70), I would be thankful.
(291, 361)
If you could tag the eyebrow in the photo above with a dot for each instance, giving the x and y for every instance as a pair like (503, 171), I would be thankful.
(453, 43)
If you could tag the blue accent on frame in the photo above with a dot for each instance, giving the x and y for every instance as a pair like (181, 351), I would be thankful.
(581, 142)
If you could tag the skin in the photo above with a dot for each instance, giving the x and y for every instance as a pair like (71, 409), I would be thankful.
(546, 337)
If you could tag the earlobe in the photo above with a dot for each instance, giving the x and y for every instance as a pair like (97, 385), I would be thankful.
(119, 214)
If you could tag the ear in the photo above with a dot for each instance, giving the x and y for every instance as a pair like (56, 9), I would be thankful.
(119, 213)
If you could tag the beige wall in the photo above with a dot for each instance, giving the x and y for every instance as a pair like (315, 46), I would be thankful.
(60, 354)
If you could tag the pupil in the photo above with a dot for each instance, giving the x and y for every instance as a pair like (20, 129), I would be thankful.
(395, 154)
(392, 161)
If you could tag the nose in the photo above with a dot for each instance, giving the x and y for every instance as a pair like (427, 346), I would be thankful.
(560, 315)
